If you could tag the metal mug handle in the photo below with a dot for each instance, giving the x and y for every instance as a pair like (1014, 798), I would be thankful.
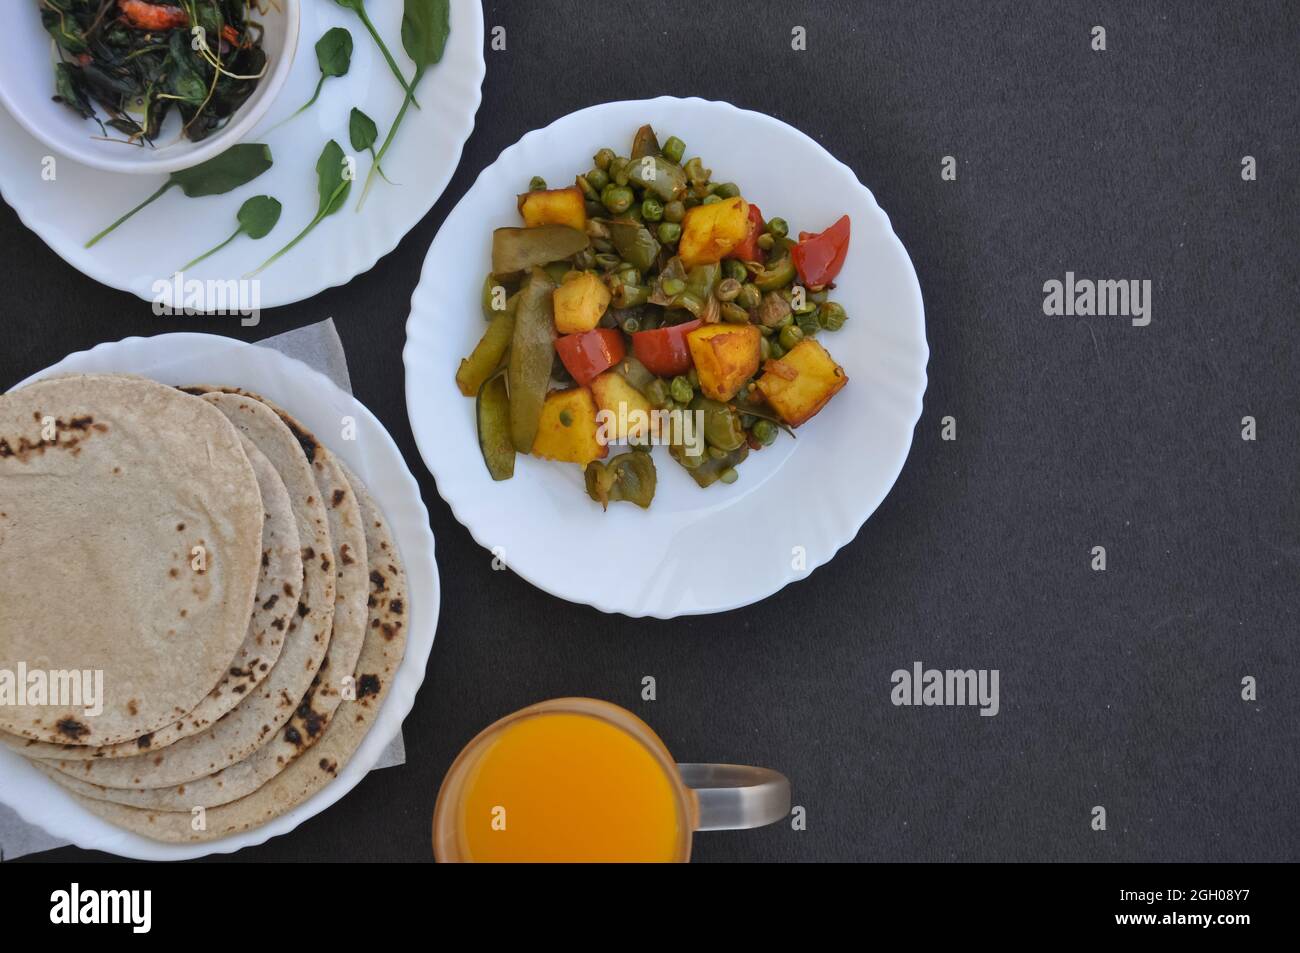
(734, 797)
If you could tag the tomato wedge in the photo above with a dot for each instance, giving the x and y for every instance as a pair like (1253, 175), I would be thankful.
(590, 353)
(664, 351)
(819, 257)
(748, 249)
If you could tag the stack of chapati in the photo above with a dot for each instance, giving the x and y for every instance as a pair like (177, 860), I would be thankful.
(229, 579)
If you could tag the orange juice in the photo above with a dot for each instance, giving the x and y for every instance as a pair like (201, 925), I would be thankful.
(564, 786)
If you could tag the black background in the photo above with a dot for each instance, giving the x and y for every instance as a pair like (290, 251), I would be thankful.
(1118, 688)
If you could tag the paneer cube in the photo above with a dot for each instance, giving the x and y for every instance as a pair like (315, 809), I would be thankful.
(554, 207)
(631, 419)
(710, 232)
(567, 430)
(799, 384)
(725, 356)
(580, 303)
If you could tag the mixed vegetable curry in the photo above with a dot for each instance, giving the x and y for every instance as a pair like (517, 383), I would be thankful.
(645, 293)
(137, 59)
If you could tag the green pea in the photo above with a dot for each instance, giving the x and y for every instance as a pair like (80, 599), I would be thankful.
(764, 348)
(618, 169)
(674, 211)
(831, 316)
(694, 377)
(602, 244)
(727, 190)
(695, 171)
(537, 184)
(566, 418)
(733, 313)
(588, 190)
(603, 158)
(776, 350)
(727, 290)
(790, 336)
(673, 149)
(717, 453)
(764, 431)
(628, 275)
(765, 241)
(598, 179)
(616, 198)
(750, 296)
(672, 286)
(594, 209)
(729, 475)
(631, 325)
(669, 232)
(681, 390)
(652, 210)
(735, 268)
(710, 199)
(584, 260)
(778, 227)
(809, 306)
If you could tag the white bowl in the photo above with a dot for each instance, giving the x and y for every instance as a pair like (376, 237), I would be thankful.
(27, 89)
(796, 502)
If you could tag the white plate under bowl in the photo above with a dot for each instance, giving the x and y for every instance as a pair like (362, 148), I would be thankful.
(321, 405)
(796, 502)
(79, 201)
(27, 60)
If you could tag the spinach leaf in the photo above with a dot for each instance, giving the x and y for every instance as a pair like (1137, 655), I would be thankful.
(256, 218)
(237, 166)
(334, 55)
(363, 133)
(333, 182)
(359, 8)
(426, 25)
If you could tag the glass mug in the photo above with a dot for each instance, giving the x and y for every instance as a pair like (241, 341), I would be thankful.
(578, 779)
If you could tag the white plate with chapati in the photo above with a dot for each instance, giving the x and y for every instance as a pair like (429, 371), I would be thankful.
(259, 594)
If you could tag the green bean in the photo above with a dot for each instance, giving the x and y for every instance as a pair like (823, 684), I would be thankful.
(764, 431)
(657, 392)
(673, 149)
(603, 158)
(672, 287)
(777, 351)
(669, 232)
(681, 389)
(733, 313)
(607, 261)
(790, 336)
(765, 241)
(652, 210)
(695, 171)
(727, 290)
(537, 184)
(629, 296)
(764, 347)
(778, 227)
(831, 316)
(727, 190)
(588, 190)
(598, 178)
(616, 198)
(584, 260)
(674, 211)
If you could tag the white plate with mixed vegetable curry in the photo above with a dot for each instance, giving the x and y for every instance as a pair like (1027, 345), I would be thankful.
(655, 372)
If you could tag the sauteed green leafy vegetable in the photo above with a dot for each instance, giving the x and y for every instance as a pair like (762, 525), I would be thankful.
(127, 63)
